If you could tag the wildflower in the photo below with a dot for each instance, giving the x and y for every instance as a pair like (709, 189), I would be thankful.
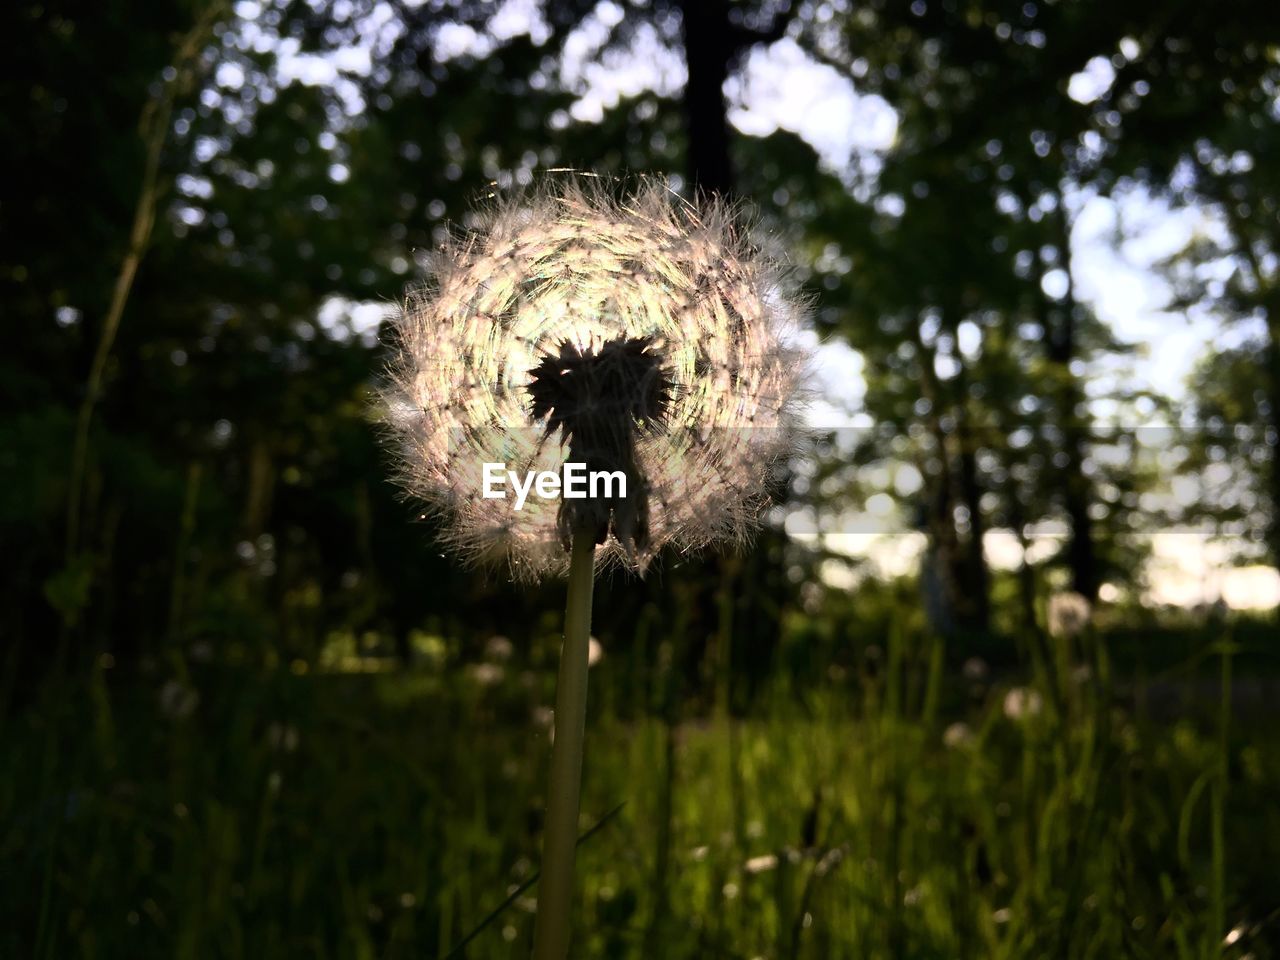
(761, 864)
(498, 649)
(627, 336)
(487, 674)
(1022, 703)
(630, 333)
(957, 735)
(1069, 613)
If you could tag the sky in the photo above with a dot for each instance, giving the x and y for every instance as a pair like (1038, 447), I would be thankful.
(1115, 244)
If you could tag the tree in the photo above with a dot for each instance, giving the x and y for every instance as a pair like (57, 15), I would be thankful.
(1191, 114)
(962, 235)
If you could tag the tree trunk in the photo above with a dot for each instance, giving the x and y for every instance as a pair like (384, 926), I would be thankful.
(1060, 339)
(1273, 421)
(975, 575)
(707, 54)
(959, 570)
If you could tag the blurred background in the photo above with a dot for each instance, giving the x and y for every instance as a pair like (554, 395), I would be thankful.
(998, 679)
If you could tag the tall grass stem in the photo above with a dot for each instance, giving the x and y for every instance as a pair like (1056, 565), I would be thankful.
(1218, 804)
(555, 890)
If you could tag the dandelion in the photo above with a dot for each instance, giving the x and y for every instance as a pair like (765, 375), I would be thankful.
(630, 333)
(975, 669)
(1069, 614)
(623, 331)
(1022, 703)
(487, 674)
(957, 736)
(761, 864)
(498, 649)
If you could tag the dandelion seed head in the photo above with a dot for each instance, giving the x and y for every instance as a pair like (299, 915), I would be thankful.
(761, 864)
(957, 736)
(1022, 703)
(498, 649)
(626, 290)
(1069, 614)
(487, 674)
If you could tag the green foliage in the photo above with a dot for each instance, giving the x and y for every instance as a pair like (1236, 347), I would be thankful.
(1231, 446)
(886, 811)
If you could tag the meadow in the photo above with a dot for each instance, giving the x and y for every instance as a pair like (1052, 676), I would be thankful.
(908, 804)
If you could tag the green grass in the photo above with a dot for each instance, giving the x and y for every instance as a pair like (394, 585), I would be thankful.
(903, 813)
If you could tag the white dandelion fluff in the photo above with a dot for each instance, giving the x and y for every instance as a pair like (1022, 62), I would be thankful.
(624, 329)
(1069, 614)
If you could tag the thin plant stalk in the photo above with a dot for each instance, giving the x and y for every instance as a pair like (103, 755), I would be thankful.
(555, 890)
(155, 127)
(1218, 804)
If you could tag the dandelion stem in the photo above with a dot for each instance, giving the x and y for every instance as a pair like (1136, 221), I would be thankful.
(555, 890)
